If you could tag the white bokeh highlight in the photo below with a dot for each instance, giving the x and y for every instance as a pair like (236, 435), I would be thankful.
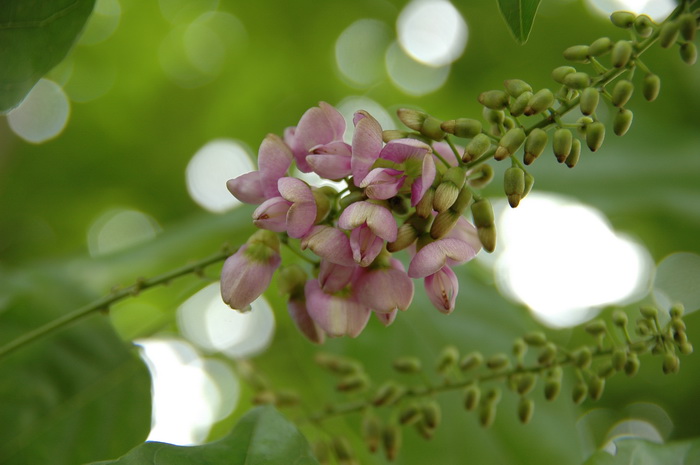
(42, 115)
(563, 260)
(118, 229)
(412, 77)
(205, 320)
(656, 9)
(359, 52)
(210, 168)
(432, 32)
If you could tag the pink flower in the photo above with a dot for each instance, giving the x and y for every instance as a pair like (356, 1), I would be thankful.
(384, 289)
(366, 144)
(382, 183)
(387, 318)
(333, 277)
(442, 288)
(329, 243)
(294, 211)
(247, 273)
(336, 315)
(371, 224)
(460, 245)
(318, 127)
(331, 161)
(303, 321)
(274, 159)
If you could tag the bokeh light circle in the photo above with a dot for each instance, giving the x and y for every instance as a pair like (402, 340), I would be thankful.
(656, 9)
(359, 52)
(118, 229)
(412, 77)
(42, 115)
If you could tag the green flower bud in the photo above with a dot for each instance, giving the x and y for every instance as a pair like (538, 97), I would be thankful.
(596, 327)
(677, 310)
(509, 143)
(352, 383)
(623, 19)
(494, 99)
(619, 318)
(573, 157)
(525, 383)
(606, 370)
(539, 102)
(526, 407)
(622, 92)
(514, 185)
(487, 415)
(471, 360)
(336, 364)
(687, 24)
(443, 223)
(686, 348)
(291, 280)
(498, 362)
(671, 363)
(631, 364)
(481, 177)
(529, 182)
(534, 145)
(424, 208)
(619, 358)
(552, 387)
(371, 431)
(482, 213)
(493, 396)
(515, 87)
(649, 312)
(407, 365)
(463, 200)
(548, 354)
(589, 100)
(583, 358)
(561, 144)
(622, 122)
(462, 127)
(600, 47)
(577, 53)
(517, 106)
(477, 147)
(668, 34)
(431, 414)
(409, 415)
(643, 328)
(579, 392)
(596, 385)
(621, 53)
(578, 80)
(407, 235)
(445, 195)
(391, 440)
(560, 73)
(447, 358)
(689, 53)
(422, 122)
(387, 394)
(424, 430)
(494, 117)
(595, 134)
(519, 347)
(487, 237)
(342, 449)
(472, 394)
(535, 339)
(643, 25)
(392, 134)
(264, 397)
(583, 123)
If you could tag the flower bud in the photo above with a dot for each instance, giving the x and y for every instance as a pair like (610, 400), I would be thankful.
(583, 358)
(686, 348)
(671, 363)
(526, 383)
(577, 53)
(509, 143)
(519, 347)
(560, 73)
(561, 144)
(631, 364)
(515, 87)
(482, 213)
(514, 185)
(622, 92)
(517, 106)
(622, 122)
(689, 53)
(336, 364)
(606, 370)
(600, 47)
(481, 176)
(677, 310)
(342, 450)
(447, 359)
(668, 34)
(643, 25)
(406, 235)
(427, 125)
(595, 134)
(534, 145)
(431, 414)
(424, 208)
(623, 19)
(651, 86)
(619, 358)
(589, 100)
(387, 394)
(620, 318)
(392, 134)
(575, 153)
(539, 102)
(463, 200)
(471, 360)
(494, 99)
(583, 123)
(472, 394)
(407, 365)
(477, 147)
(497, 362)
(621, 53)
(596, 385)
(552, 387)
(548, 354)
(391, 440)
(487, 415)
(409, 414)
(578, 80)
(494, 117)
(352, 383)
(529, 182)
(448, 190)
(535, 338)
(649, 312)
(526, 407)
(579, 393)
(443, 223)
(371, 431)
(687, 24)
(462, 127)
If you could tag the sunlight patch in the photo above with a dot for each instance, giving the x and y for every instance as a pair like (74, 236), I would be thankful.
(42, 115)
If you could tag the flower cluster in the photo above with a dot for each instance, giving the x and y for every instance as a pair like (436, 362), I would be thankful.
(353, 232)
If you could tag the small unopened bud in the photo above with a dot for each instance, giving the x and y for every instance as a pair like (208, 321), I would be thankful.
(622, 121)
(391, 440)
(448, 190)
(387, 394)
(519, 347)
(482, 213)
(580, 392)
(668, 35)
(596, 327)
(548, 354)
(582, 125)
(409, 415)
(631, 364)
(392, 134)
(583, 358)
(596, 385)
(447, 359)
(495, 117)
(352, 383)
(494, 99)
(477, 147)
(407, 235)
(472, 394)
(620, 318)
(560, 73)
(371, 431)
(686, 348)
(648, 311)
(509, 143)
(677, 310)
(606, 370)
(622, 92)
(621, 53)
(643, 25)
(431, 414)
(534, 145)
(578, 80)
(471, 360)
(671, 363)
(462, 127)
(498, 362)
(443, 223)
(481, 177)
(487, 415)
(427, 125)
(515, 87)
(526, 407)
(575, 153)
(595, 134)
(688, 25)
(517, 106)
(539, 102)
(529, 182)
(561, 144)
(342, 449)
(424, 208)
(689, 53)
(623, 19)
(336, 364)
(577, 53)
(552, 387)
(264, 397)
(407, 365)
(526, 383)
(600, 46)
(463, 200)
(589, 100)
(619, 358)
(514, 185)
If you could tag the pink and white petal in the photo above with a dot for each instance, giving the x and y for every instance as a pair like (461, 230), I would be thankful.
(387, 318)
(442, 288)
(444, 149)
(365, 245)
(337, 316)
(466, 232)
(333, 277)
(336, 148)
(382, 183)
(423, 182)
(272, 214)
(427, 261)
(382, 223)
(247, 188)
(308, 327)
(300, 218)
(335, 120)
(295, 190)
(329, 243)
(385, 290)
(244, 280)
(330, 166)
(355, 215)
(366, 145)
(274, 159)
(400, 150)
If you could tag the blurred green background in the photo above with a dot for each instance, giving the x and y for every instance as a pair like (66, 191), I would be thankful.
(141, 107)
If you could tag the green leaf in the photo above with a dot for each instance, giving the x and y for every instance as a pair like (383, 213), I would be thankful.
(262, 436)
(676, 281)
(35, 35)
(631, 451)
(519, 16)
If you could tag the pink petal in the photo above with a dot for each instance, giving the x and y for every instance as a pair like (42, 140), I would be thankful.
(333, 277)
(366, 145)
(365, 245)
(435, 255)
(243, 280)
(302, 213)
(303, 321)
(467, 233)
(379, 219)
(329, 243)
(399, 150)
(387, 318)
(382, 183)
(423, 182)
(247, 188)
(444, 149)
(385, 290)
(272, 214)
(274, 159)
(335, 120)
(330, 166)
(442, 288)
(337, 316)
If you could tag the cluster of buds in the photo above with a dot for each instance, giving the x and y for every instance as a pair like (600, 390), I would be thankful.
(400, 193)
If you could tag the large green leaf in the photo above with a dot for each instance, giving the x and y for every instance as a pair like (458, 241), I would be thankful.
(641, 452)
(77, 396)
(35, 35)
(519, 16)
(261, 437)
